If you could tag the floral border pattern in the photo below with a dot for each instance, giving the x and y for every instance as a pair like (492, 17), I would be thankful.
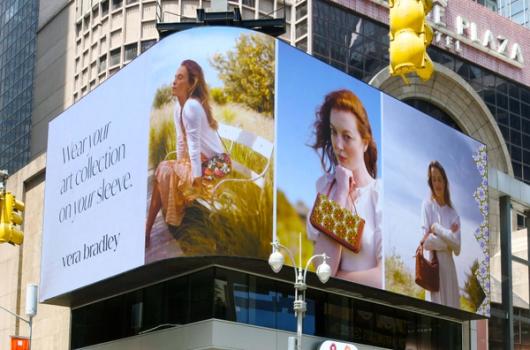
(482, 233)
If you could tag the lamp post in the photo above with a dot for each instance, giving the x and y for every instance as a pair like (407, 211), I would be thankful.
(276, 261)
(31, 308)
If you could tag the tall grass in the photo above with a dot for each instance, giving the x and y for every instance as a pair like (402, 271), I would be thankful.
(162, 134)
(162, 140)
(242, 223)
(398, 279)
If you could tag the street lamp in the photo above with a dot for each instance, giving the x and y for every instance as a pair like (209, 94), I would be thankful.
(31, 308)
(276, 261)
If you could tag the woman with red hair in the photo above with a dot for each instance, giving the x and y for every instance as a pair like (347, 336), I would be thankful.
(348, 155)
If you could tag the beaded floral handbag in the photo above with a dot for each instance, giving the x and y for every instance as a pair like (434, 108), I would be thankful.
(337, 222)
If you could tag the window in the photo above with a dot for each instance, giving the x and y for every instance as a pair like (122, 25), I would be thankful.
(102, 63)
(115, 57)
(301, 28)
(434, 111)
(301, 10)
(145, 45)
(104, 8)
(236, 296)
(116, 4)
(302, 44)
(521, 221)
(130, 52)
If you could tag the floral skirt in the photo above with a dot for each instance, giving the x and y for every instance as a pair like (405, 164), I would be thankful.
(175, 183)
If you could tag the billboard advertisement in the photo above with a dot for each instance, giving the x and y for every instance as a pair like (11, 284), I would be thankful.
(435, 194)
(171, 156)
(217, 141)
(412, 181)
(315, 120)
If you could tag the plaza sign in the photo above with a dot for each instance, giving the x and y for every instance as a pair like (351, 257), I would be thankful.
(466, 32)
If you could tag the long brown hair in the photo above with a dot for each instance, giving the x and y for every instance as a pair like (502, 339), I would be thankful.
(447, 196)
(343, 100)
(199, 89)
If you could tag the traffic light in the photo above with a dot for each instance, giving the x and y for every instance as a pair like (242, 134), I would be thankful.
(10, 218)
(409, 37)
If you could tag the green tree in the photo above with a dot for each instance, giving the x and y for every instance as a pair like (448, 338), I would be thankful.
(218, 95)
(473, 293)
(248, 72)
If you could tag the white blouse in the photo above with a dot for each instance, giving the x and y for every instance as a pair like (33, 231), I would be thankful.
(368, 206)
(446, 243)
(201, 138)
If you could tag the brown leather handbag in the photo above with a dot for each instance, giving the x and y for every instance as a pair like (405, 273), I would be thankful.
(337, 222)
(427, 272)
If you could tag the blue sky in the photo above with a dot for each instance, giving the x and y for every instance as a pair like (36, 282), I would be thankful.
(199, 44)
(411, 141)
(303, 81)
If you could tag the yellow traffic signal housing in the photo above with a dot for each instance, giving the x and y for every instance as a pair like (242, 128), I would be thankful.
(11, 211)
(409, 37)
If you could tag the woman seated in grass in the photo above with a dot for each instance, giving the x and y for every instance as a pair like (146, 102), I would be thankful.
(177, 183)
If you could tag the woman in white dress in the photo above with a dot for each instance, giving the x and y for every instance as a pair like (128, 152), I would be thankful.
(177, 183)
(348, 155)
(441, 229)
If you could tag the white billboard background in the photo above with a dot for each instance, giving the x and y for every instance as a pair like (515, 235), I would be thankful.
(94, 224)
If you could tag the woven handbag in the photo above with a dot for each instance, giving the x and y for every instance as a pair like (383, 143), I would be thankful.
(427, 272)
(337, 222)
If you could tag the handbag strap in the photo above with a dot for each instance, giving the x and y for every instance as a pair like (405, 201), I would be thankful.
(349, 195)
(420, 251)
(223, 142)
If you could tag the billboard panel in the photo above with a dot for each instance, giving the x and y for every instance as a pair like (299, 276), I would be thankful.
(310, 133)
(334, 129)
(95, 174)
(221, 214)
(163, 161)
(425, 160)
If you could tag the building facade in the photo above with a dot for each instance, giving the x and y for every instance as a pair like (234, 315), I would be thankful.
(481, 87)
(517, 11)
(17, 60)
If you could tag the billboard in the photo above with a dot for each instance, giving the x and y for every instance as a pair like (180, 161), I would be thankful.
(380, 160)
(225, 142)
(136, 175)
